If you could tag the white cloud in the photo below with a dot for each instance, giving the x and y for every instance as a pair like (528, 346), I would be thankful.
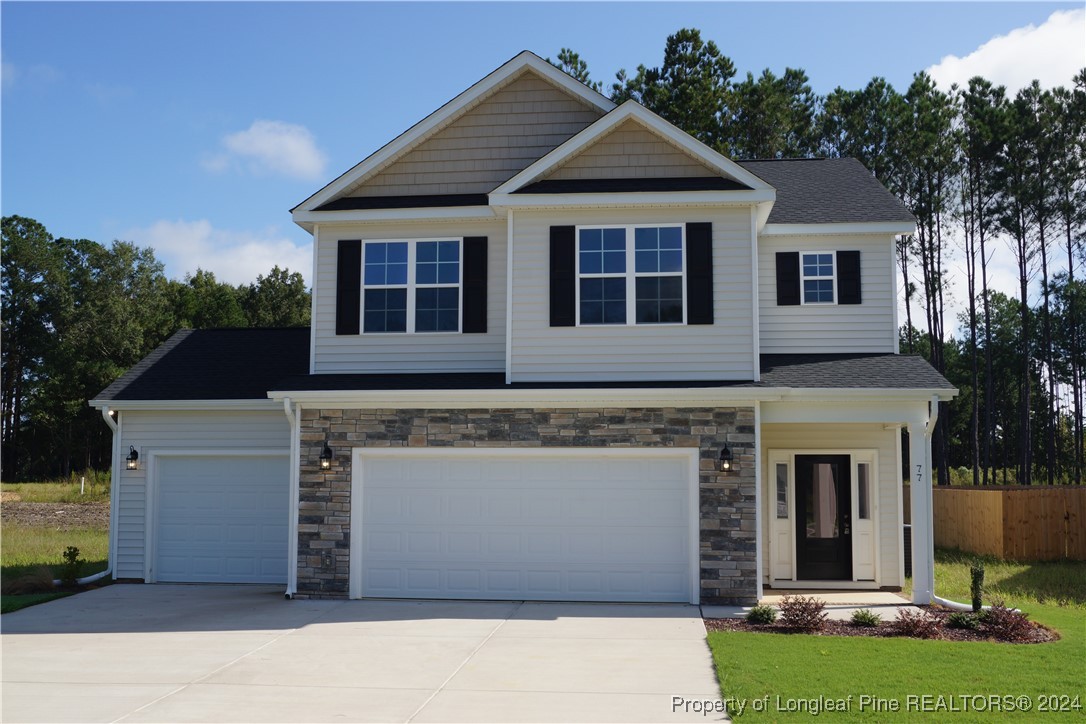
(235, 257)
(34, 76)
(270, 147)
(8, 73)
(1051, 53)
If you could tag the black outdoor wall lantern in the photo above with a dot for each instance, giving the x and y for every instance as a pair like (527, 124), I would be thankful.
(133, 460)
(725, 459)
(326, 458)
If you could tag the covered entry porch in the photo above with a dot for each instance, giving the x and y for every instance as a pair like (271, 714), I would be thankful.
(831, 492)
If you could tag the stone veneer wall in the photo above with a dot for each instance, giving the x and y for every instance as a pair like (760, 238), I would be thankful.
(728, 546)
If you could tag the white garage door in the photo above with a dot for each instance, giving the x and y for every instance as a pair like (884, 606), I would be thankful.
(557, 525)
(221, 519)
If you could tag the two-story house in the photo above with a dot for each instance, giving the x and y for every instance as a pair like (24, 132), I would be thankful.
(560, 350)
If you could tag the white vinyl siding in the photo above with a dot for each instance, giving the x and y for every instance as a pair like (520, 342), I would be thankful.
(490, 143)
(723, 350)
(827, 328)
(812, 437)
(179, 430)
(631, 151)
(391, 353)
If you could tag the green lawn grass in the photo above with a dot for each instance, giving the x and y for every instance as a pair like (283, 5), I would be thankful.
(799, 668)
(95, 490)
(24, 549)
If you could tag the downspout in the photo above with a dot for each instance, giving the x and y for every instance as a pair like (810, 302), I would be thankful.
(933, 417)
(114, 488)
(292, 506)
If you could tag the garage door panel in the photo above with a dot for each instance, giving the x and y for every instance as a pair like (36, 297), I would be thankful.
(221, 519)
(550, 526)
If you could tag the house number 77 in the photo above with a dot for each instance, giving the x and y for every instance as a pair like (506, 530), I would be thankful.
(919, 473)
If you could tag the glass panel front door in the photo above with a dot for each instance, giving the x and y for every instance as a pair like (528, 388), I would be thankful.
(823, 504)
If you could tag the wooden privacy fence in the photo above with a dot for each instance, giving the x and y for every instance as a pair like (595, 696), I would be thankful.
(1025, 523)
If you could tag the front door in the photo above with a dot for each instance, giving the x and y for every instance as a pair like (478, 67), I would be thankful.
(823, 526)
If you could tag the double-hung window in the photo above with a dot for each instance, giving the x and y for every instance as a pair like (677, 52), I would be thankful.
(817, 275)
(630, 275)
(411, 286)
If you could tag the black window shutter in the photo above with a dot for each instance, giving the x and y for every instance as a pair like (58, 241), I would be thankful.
(563, 276)
(349, 286)
(848, 277)
(475, 248)
(699, 273)
(787, 278)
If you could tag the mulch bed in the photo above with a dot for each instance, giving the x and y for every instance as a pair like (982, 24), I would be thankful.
(1039, 634)
(58, 516)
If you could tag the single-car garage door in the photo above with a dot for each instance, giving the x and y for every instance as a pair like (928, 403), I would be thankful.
(221, 518)
(565, 525)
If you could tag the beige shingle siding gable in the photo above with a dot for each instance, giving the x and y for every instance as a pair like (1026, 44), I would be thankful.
(490, 143)
(631, 151)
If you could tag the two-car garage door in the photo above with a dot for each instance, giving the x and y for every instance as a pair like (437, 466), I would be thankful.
(568, 524)
(221, 518)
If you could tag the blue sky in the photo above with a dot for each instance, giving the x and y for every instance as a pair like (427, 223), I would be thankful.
(195, 127)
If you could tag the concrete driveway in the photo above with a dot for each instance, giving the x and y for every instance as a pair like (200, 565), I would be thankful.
(241, 653)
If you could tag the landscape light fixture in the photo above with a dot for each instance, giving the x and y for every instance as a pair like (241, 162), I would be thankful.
(133, 460)
(725, 459)
(326, 458)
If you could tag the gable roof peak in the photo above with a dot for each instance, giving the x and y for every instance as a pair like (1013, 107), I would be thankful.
(522, 62)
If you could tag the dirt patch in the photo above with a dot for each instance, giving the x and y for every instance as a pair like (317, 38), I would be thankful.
(6, 497)
(58, 516)
(1038, 634)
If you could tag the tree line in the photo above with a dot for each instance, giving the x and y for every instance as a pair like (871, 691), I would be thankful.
(989, 176)
(76, 314)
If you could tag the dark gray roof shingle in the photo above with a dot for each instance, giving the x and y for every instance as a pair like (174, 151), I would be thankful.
(826, 191)
(245, 364)
(837, 371)
(215, 364)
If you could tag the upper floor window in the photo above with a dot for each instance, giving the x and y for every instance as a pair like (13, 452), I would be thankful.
(630, 275)
(818, 278)
(411, 286)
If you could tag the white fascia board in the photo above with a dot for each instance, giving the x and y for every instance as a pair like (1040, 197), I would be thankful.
(632, 198)
(842, 229)
(306, 219)
(632, 109)
(892, 412)
(437, 119)
(222, 405)
(482, 399)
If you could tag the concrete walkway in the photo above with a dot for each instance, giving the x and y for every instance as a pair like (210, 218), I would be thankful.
(235, 653)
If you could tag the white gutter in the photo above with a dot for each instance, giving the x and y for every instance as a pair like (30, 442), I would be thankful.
(114, 491)
(292, 506)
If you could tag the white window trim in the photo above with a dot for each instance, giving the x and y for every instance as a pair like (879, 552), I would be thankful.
(412, 287)
(630, 275)
(804, 278)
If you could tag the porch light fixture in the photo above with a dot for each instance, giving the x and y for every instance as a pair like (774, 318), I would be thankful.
(725, 459)
(326, 458)
(133, 460)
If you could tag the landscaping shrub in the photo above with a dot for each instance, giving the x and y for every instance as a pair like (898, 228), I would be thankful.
(917, 624)
(38, 580)
(1007, 624)
(963, 619)
(762, 615)
(803, 613)
(976, 583)
(865, 617)
(72, 566)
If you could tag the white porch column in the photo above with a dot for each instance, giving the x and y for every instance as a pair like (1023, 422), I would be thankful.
(921, 506)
